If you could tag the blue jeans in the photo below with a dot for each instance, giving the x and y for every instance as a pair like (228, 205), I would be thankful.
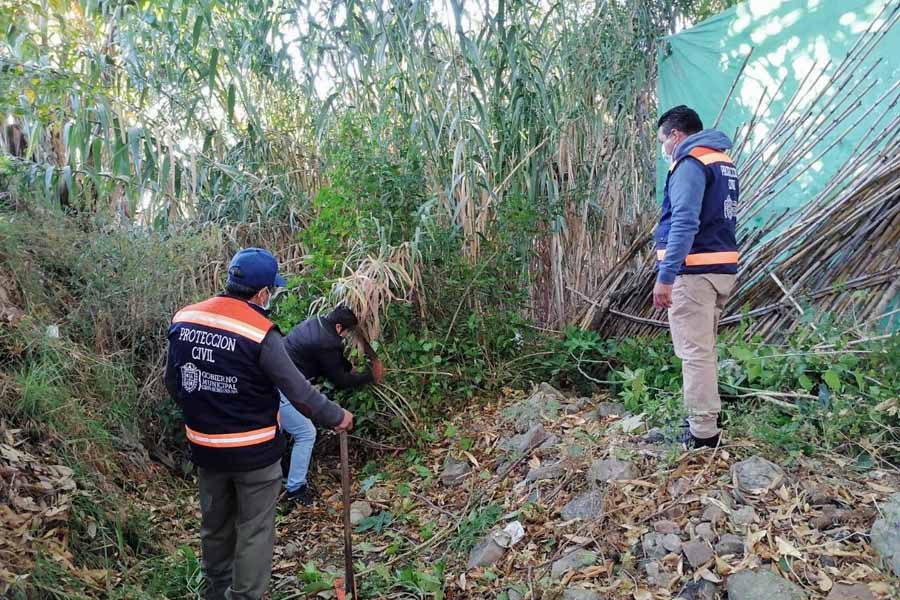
(304, 433)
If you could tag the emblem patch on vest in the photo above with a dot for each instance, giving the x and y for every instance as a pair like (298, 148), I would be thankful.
(190, 377)
(730, 208)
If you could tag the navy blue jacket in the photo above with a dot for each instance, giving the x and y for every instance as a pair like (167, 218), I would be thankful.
(696, 232)
(316, 348)
(226, 362)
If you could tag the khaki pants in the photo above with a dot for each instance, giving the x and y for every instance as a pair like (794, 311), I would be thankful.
(237, 532)
(697, 303)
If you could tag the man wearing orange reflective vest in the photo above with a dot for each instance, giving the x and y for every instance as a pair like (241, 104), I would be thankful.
(226, 363)
(697, 258)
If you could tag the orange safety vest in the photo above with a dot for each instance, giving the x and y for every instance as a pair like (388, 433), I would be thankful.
(230, 405)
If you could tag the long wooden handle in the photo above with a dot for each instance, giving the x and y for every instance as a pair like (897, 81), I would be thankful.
(349, 580)
(366, 346)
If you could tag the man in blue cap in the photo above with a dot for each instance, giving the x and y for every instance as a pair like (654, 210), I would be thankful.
(226, 364)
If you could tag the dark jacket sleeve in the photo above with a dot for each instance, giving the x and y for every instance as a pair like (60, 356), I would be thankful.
(171, 378)
(339, 371)
(275, 362)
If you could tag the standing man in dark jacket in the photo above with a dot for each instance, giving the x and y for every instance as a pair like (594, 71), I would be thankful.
(316, 347)
(697, 258)
(226, 364)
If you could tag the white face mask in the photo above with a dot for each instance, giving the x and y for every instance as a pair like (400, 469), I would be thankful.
(669, 157)
(268, 303)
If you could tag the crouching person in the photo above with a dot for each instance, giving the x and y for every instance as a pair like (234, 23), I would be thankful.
(316, 347)
(226, 363)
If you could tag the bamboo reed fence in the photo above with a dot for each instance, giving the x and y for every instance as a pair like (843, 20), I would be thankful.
(837, 256)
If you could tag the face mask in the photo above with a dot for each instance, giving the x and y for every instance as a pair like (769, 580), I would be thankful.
(267, 306)
(668, 156)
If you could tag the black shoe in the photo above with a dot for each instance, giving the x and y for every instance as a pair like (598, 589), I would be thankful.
(691, 442)
(302, 495)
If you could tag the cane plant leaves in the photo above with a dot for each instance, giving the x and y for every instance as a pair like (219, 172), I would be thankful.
(376, 523)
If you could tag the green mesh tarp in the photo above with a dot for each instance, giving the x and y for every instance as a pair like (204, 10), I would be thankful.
(698, 66)
(789, 38)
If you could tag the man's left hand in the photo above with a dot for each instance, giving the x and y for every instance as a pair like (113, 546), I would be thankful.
(662, 295)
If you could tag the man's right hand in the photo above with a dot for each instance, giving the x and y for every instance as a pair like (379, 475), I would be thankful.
(346, 423)
(377, 371)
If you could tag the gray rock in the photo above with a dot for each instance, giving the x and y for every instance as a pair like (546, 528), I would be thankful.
(755, 477)
(700, 590)
(545, 402)
(526, 441)
(580, 594)
(550, 443)
(666, 527)
(610, 409)
(652, 544)
(586, 506)
(291, 549)
(553, 471)
(655, 436)
(359, 510)
(611, 469)
(528, 420)
(827, 561)
(744, 516)
(671, 542)
(705, 531)
(697, 552)
(679, 487)
(514, 594)
(730, 544)
(886, 533)
(653, 569)
(818, 494)
(379, 495)
(762, 585)
(713, 514)
(574, 560)
(545, 393)
(571, 408)
(485, 553)
(842, 591)
(454, 471)
(657, 576)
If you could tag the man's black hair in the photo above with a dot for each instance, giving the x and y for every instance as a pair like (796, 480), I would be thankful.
(342, 316)
(682, 118)
(232, 288)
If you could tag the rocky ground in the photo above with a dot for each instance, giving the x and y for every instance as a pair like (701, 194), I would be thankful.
(545, 496)
(590, 504)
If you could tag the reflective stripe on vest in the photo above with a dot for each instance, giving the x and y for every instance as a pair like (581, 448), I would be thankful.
(709, 156)
(202, 317)
(231, 440)
(705, 258)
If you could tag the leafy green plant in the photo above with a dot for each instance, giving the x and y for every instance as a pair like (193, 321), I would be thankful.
(634, 392)
(376, 523)
(475, 525)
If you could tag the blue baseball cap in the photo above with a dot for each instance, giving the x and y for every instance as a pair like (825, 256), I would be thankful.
(255, 268)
